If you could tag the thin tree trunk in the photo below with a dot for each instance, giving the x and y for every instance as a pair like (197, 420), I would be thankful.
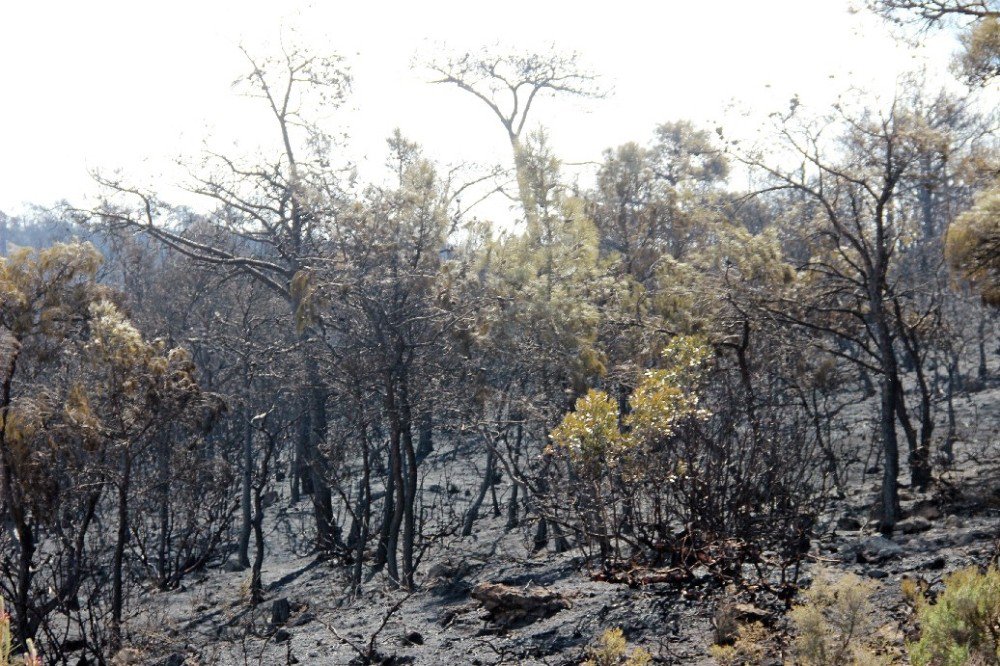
(246, 500)
(388, 511)
(412, 481)
(919, 454)
(362, 513)
(327, 538)
(919, 444)
(425, 445)
(117, 582)
(473, 512)
(256, 582)
(983, 368)
(302, 484)
(512, 507)
(948, 448)
(887, 417)
(26, 554)
(396, 470)
(163, 470)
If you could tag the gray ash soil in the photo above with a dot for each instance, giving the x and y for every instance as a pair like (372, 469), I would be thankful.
(207, 621)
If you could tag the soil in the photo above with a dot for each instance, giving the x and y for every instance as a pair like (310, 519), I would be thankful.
(308, 618)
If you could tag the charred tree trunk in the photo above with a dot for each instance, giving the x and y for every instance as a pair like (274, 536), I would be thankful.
(948, 447)
(512, 507)
(362, 513)
(257, 523)
(24, 626)
(399, 496)
(919, 443)
(327, 537)
(412, 481)
(256, 582)
(983, 371)
(118, 561)
(246, 499)
(425, 444)
(388, 511)
(889, 390)
(473, 512)
(163, 538)
(302, 479)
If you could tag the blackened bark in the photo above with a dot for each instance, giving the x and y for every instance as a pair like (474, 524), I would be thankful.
(512, 507)
(246, 500)
(412, 480)
(362, 513)
(327, 536)
(473, 512)
(396, 471)
(425, 444)
(118, 561)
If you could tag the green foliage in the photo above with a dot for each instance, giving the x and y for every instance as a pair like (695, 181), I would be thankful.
(963, 625)
(972, 245)
(590, 432)
(549, 279)
(94, 379)
(835, 622)
(686, 155)
(83, 393)
(611, 649)
(668, 395)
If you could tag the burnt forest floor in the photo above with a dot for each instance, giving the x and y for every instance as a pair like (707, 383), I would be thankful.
(207, 620)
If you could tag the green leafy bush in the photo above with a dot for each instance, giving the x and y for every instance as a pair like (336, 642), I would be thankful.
(963, 625)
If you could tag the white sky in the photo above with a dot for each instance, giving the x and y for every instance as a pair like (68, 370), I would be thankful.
(133, 85)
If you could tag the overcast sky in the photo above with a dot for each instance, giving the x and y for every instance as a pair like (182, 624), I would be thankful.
(134, 85)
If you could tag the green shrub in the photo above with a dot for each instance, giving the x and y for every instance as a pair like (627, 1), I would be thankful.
(747, 646)
(835, 623)
(611, 649)
(963, 625)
